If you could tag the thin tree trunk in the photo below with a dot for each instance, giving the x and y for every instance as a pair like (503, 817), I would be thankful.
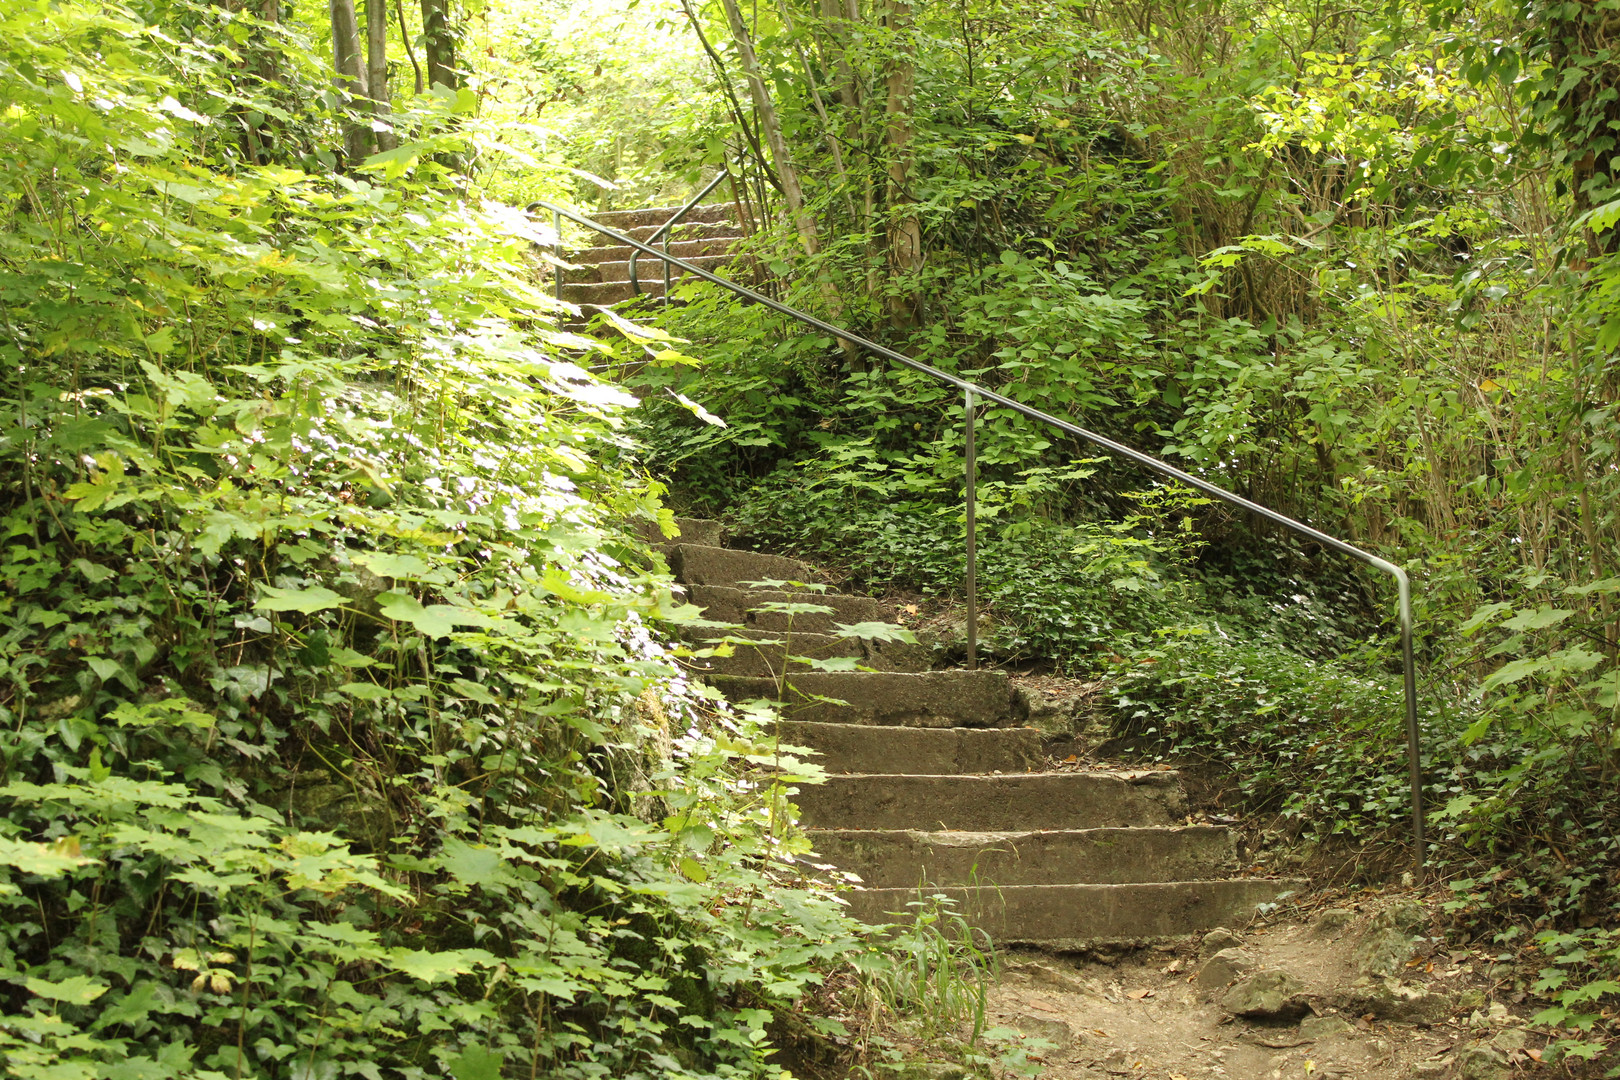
(786, 174)
(405, 36)
(377, 69)
(351, 79)
(904, 230)
(441, 44)
(731, 95)
(821, 111)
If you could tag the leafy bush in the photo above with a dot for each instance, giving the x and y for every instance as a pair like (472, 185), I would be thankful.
(334, 735)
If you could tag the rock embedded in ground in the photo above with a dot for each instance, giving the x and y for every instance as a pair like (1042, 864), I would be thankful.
(1056, 1032)
(1216, 940)
(1393, 1000)
(1061, 707)
(1510, 1039)
(1390, 940)
(1480, 1063)
(1321, 1027)
(1330, 921)
(1224, 968)
(1266, 995)
(934, 1070)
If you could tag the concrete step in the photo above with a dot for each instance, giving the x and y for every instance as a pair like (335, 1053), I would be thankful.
(657, 215)
(937, 699)
(603, 293)
(647, 269)
(687, 230)
(1076, 917)
(865, 748)
(681, 249)
(700, 564)
(725, 603)
(1008, 803)
(907, 859)
(765, 659)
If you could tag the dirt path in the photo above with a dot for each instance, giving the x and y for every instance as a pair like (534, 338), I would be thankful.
(1360, 991)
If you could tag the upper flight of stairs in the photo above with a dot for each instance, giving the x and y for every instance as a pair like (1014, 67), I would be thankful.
(704, 238)
(934, 784)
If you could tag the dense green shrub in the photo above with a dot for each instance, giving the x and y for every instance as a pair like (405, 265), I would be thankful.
(335, 734)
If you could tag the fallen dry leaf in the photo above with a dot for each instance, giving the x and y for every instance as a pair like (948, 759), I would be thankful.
(1534, 1053)
(1138, 995)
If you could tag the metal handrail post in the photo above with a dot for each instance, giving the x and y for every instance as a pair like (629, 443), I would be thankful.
(1163, 468)
(556, 251)
(663, 231)
(972, 583)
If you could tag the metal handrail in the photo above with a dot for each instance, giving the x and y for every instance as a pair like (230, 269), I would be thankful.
(971, 389)
(663, 232)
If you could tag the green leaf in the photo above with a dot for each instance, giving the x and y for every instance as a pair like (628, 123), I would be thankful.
(364, 691)
(390, 564)
(46, 860)
(79, 990)
(876, 631)
(93, 573)
(132, 1008)
(1513, 671)
(476, 1063)
(432, 967)
(435, 620)
(106, 670)
(1481, 616)
(1538, 619)
(473, 864)
(697, 410)
(308, 601)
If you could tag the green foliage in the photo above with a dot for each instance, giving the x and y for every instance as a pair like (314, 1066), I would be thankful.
(336, 736)
(1358, 268)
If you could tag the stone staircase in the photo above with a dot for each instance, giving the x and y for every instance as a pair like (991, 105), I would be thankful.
(704, 238)
(935, 784)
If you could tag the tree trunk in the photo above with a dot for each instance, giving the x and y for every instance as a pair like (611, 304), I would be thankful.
(351, 79)
(440, 44)
(377, 69)
(405, 36)
(786, 174)
(903, 231)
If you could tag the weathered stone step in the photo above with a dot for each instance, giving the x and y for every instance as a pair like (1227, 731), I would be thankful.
(867, 748)
(1008, 803)
(725, 603)
(938, 699)
(681, 249)
(700, 564)
(765, 659)
(602, 293)
(657, 215)
(907, 859)
(649, 269)
(687, 230)
(1086, 916)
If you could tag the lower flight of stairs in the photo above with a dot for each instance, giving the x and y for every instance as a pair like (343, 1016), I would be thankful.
(936, 786)
(601, 276)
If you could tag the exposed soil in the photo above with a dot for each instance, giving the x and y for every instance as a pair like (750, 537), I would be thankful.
(1151, 1014)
